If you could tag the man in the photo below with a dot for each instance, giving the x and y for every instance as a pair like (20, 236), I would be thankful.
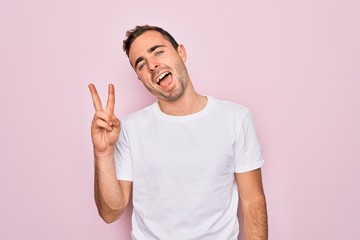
(185, 159)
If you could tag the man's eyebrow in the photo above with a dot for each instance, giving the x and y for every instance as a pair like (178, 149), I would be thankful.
(150, 50)
(137, 61)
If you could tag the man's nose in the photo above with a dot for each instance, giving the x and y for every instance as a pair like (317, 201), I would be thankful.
(153, 65)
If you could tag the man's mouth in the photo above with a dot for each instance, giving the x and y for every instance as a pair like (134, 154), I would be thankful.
(162, 77)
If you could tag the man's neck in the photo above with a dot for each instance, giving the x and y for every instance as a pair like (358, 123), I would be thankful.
(190, 102)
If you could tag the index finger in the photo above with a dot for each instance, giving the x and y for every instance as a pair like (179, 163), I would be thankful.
(110, 105)
(95, 97)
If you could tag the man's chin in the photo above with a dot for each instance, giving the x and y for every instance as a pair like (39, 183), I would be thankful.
(173, 96)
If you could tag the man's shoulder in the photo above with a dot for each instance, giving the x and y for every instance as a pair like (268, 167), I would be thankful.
(229, 106)
(139, 115)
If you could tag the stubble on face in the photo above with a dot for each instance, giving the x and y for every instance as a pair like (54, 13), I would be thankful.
(173, 63)
(182, 83)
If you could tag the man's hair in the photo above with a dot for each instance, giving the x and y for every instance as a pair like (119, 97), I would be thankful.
(132, 34)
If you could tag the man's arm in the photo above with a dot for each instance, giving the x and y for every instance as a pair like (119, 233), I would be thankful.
(111, 196)
(253, 204)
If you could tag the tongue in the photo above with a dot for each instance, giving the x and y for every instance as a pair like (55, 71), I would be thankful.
(165, 82)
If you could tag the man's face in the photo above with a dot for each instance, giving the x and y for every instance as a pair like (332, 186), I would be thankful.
(159, 66)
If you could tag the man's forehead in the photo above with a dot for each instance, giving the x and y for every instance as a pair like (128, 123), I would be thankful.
(147, 40)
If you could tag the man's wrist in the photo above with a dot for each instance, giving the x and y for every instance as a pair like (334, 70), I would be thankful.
(104, 155)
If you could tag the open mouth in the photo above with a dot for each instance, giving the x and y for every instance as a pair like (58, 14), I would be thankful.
(162, 77)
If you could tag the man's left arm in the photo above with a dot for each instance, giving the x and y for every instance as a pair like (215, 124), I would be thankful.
(253, 205)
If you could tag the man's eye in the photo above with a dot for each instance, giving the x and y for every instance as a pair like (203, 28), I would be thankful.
(142, 65)
(158, 53)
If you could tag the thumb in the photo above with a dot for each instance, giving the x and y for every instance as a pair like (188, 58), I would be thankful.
(115, 124)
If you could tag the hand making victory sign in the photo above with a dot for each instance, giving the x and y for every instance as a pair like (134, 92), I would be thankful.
(105, 127)
(111, 195)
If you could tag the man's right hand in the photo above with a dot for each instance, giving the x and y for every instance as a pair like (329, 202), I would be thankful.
(105, 127)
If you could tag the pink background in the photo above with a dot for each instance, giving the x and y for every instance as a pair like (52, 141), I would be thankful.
(295, 64)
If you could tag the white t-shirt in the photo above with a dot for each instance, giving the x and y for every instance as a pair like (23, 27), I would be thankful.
(182, 169)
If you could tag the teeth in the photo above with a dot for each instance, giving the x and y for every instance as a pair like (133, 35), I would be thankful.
(161, 77)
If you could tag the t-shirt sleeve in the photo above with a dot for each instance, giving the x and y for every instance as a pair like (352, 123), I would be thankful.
(248, 152)
(123, 163)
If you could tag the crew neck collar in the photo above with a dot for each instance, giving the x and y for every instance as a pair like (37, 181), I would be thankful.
(183, 118)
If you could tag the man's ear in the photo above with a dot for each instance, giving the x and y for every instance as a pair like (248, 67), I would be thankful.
(182, 52)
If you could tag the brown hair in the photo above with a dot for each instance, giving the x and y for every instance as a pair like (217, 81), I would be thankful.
(132, 34)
